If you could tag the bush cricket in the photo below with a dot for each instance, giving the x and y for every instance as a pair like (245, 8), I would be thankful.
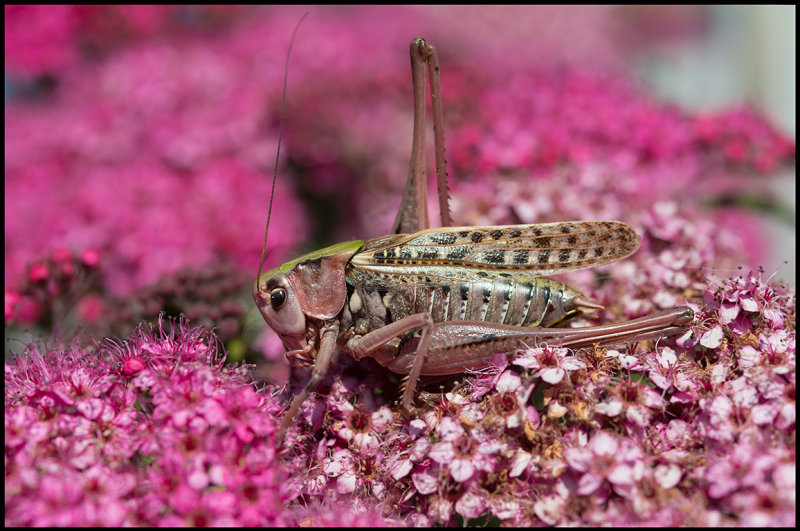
(441, 301)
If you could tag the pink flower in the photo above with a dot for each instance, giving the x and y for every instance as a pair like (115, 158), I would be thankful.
(550, 509)
(39, 38)
(11, 300)
(470, 505)
(363, 429)
(97, 419)
(455, 451)
(712, 338)
(551, 364)
(425, 481)
(667, 372)
(605, 459)
(484, 384)
(635, 400)
(159, 429)
(511, 401)
(667, 476)
(341, 466)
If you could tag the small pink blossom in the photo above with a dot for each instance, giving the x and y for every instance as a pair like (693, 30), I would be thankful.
(470, 505)
(605, 459)
(426, 482)
(11, 300)
(456, 450)
(514, 394)
(551, 364)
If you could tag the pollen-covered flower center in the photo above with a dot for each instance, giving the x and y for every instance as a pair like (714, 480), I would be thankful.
(628, 392)
(548, 359)
(506, 404)
(360, 421)
(464, 446)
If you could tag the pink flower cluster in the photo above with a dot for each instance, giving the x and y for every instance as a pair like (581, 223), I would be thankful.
(150, 431)
(46, 40)
(153, 185)
(695, 430)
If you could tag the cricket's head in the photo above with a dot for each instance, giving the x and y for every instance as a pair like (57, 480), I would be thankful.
(297, 298)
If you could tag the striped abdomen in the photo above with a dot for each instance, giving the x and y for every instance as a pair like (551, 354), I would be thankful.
(374, 301)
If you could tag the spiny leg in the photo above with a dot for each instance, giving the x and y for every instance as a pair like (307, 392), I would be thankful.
(435, 84)
(416, 367)
(458, 345)
(412, 216)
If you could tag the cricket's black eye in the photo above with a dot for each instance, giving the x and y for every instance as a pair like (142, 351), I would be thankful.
(277, 298)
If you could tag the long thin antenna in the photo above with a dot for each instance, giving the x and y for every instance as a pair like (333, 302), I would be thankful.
(280, 135)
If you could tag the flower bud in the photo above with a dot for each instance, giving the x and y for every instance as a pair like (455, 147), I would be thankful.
(90, 257)
(38, 273)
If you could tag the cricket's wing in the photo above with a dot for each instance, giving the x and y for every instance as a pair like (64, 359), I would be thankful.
(514, 251)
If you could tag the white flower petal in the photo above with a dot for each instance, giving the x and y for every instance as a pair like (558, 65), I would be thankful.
(442, 452)
(346, 483)
(667, 475)
(621, 475)
(638, 415)
(508, 382)
(416, 427)
(420, 449)
(197, 479)
(659, 380)
(666, 357)
(578, 458)
(401, 468)
(424, 482)
(521, 461)
(461, 469)
(748, 304)
(528, 358)
(556, 410)
(763, 414)
(450, 429)
(572, 363)
(628, 362)
(552, 375)
(728, 311)
(604, 444)
(470, 505)
(712, 338)
(610, 408)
